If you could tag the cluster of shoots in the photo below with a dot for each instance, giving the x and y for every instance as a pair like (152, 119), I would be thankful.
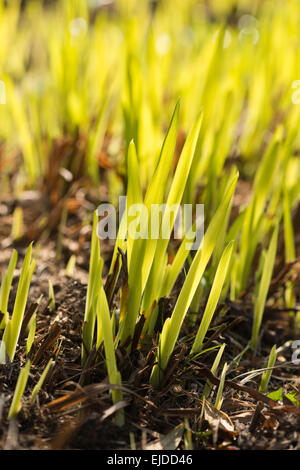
(223, 252)
(11, 324)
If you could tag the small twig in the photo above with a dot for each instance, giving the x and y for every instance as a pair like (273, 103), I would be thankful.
(256, 417)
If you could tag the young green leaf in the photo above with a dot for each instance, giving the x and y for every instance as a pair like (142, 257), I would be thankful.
(94, 283)
(19, 390)
(5, 287)
(264, 287)
(214, 296)
(13, 327)
(104, 320)
(41, 381)
(265, 378)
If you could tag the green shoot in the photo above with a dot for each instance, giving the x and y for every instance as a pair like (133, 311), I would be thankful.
(104, 322)
(19, 390)
(13, 325)
(92, 292)
(213, 297)
(17, 226)
(219, 398)
(70, 268)
(265, 378)
(214, 370)
(31, 333)
(51, 296)
(5, 287)
(264, 287)
(41, 381)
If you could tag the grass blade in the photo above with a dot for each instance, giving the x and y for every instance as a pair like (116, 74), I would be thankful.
(214, 296)
(264, 287)
(19, 390)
